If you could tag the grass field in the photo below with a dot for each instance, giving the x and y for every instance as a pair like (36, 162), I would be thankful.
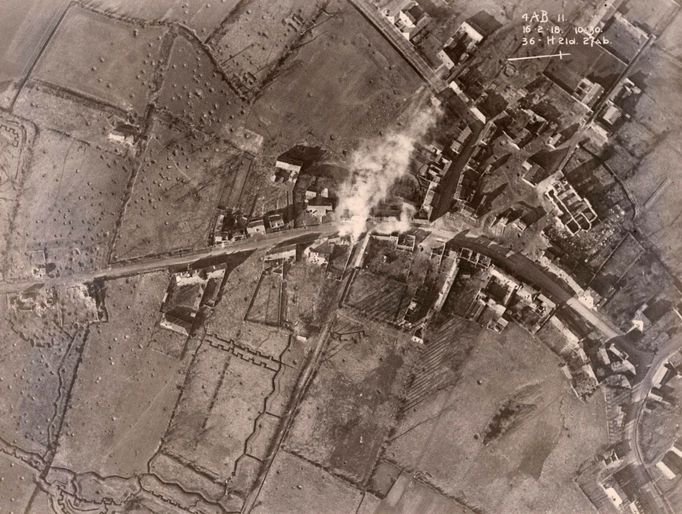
(539, 449)
(26, 26)
(306, 294)
(669, 41)
(654, 16)
(202, 17)
(346, 72)
(16, 140)
(352, 403)
(656, 183)
(173, 201)
(294, 485)
(124, 394)
(268, 303)
(32, 384)
(70, 203)
(254, 40)
(195, 90)
(108, 60)
(66, 115)
(18, 485)
(221, 401)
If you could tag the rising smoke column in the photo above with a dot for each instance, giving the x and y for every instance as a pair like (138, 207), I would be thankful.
(375, 167)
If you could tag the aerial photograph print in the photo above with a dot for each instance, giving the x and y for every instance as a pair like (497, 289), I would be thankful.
(340, 257)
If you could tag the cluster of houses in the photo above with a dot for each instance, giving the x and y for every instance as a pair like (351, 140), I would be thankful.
(412, 20)
(286, 170)
(618, 481)
(231, 225)
(614, 113)
(330, 253)
(504, 299)
(433, 166)
(407, 16)
(318, 203)
(574, 212)
(187, 293)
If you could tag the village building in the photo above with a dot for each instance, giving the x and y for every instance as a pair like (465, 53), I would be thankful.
(255, 227)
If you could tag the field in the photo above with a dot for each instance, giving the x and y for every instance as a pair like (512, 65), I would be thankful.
(654, 16)
(124, 394)
(173, 201)
(252, 43)
(306, 294)
(669, 41)
(26, 26)
(378, 297)
(16, 140)
(524, 432)
(228, 320)
(34, 380)
(352, 403)
(622, 258)
(345, 72)
(441, 359)
(623, 42)
(82, 120)
(71, 201)
(656, 183)
(202, 17)
(268, 304)
(109, 61)
(585, 61)
(222, 398)
(226, 417)
(195, 90)
(294, 485)
(18, 484)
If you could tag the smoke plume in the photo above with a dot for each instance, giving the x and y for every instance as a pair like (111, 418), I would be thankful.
(375, 167)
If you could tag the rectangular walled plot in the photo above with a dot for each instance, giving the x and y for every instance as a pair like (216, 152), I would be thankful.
(102, 58)
(216, 414)
(69, 206)
(175, 193)
(67, 115)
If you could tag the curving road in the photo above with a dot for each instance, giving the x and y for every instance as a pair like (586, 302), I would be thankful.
(529, 271)
(639, 396)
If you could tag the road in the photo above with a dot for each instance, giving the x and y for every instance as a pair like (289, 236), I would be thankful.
(639, 396)
(530, 272)
(147, 265)
(448, 186)
(402, 45)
